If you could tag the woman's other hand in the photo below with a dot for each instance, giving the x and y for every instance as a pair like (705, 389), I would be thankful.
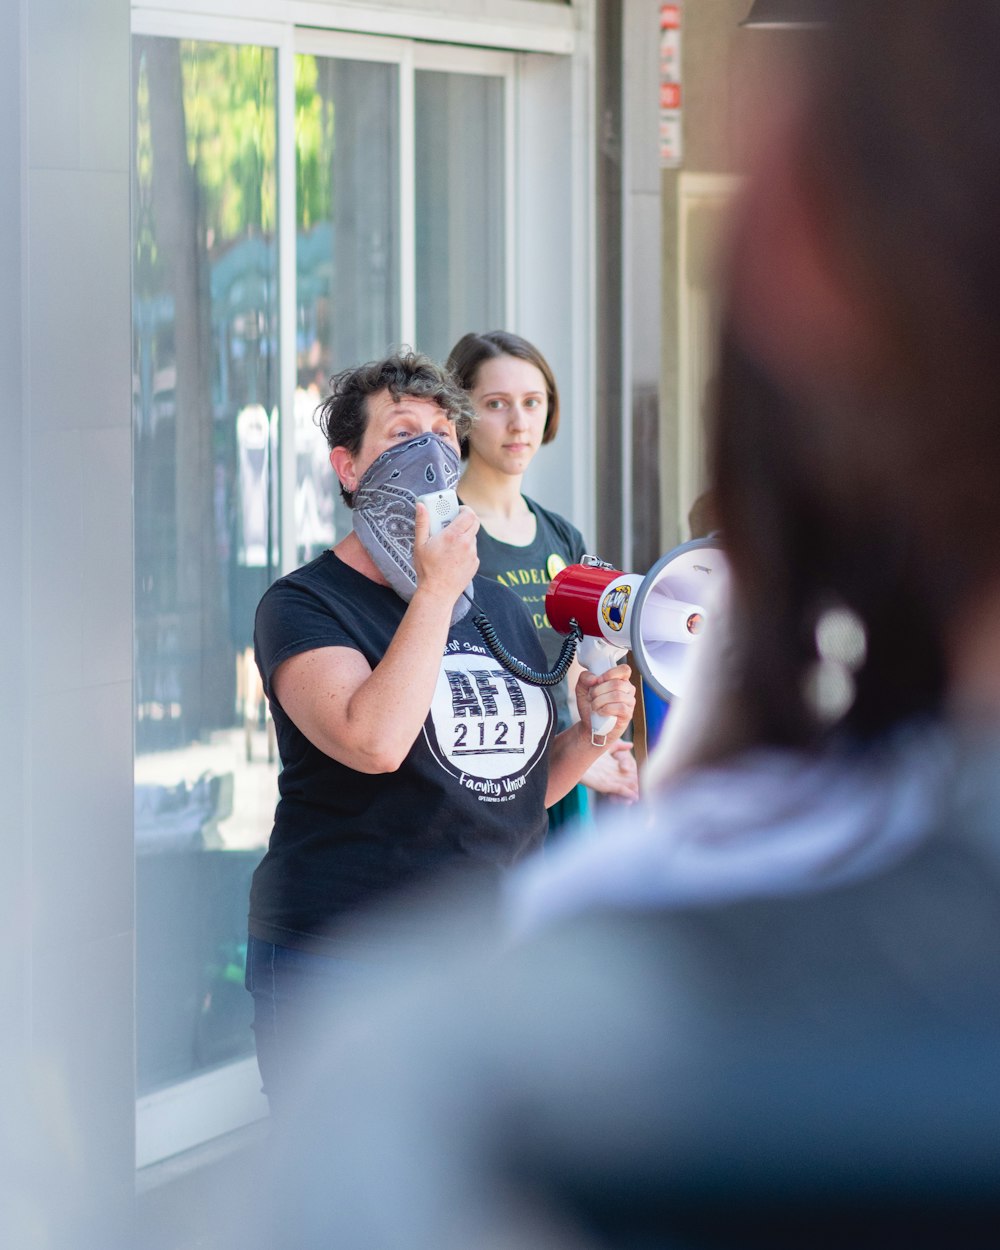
(606, 694)
(615, 774)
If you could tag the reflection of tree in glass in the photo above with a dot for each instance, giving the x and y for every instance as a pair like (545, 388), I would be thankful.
(314, 142)
(229, 107)
(205, 279)
(347, 157)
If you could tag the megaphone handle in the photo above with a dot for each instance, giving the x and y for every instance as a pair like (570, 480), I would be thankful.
(597, 656)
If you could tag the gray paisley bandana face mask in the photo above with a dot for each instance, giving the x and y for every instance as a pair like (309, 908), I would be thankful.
(385, 507)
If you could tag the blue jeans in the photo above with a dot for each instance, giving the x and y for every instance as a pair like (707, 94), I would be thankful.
(291, 989)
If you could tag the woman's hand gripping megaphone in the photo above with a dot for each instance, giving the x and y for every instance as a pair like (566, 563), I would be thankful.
(598, 656)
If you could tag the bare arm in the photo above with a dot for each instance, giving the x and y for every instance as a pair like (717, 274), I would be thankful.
(611, 694)
(369, 718)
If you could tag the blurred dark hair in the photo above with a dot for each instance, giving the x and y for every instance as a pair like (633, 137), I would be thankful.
(472, 349)
(804, 533)
(882, 496)
(343, 415)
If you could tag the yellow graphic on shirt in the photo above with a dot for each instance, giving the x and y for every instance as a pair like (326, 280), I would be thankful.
(530, 585)
(515, 578)
(554, 564)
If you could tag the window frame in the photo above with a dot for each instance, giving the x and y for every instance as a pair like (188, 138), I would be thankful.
(522, 25)
(190, 1112)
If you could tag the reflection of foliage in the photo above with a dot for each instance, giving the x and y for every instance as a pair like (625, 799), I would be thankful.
(229, 109)
(231, 128)
(313, 144)
(205, 186)
(146, 253)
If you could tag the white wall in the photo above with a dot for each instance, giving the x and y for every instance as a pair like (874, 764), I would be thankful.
(12, 632)
(65, 615)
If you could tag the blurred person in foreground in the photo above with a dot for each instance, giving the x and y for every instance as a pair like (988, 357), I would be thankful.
(808, 1058)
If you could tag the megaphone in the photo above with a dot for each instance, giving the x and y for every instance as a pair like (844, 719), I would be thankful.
(659, 617)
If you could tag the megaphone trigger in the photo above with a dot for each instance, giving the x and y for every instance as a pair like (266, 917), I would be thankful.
(598, 656)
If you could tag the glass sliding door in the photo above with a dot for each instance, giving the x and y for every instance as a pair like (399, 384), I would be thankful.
(347, 256)
(461, 185)
(206, 388)
(393, 215)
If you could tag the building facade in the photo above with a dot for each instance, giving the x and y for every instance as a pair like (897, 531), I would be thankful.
(206, 206)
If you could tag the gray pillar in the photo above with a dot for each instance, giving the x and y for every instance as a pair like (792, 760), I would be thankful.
(67, 1148)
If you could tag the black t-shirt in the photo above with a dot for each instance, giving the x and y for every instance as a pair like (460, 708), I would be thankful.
(528, 571)
(470, 792)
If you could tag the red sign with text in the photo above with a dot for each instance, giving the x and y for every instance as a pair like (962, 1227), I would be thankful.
(670, 85)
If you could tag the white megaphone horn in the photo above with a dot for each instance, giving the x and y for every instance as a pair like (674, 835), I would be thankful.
(658, 617)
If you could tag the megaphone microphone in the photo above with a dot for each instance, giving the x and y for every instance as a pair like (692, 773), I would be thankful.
(657, 616)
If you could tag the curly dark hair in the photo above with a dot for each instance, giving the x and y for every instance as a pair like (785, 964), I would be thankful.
(343, 415)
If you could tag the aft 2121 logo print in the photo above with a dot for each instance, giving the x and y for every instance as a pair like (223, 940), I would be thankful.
(486, 728)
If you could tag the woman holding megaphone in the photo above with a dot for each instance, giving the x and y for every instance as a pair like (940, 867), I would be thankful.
(520, 543)
(406, 750)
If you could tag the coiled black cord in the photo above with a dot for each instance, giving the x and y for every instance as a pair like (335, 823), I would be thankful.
(513, 665)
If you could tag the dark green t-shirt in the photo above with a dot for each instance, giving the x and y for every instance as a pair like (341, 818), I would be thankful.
(528, 571)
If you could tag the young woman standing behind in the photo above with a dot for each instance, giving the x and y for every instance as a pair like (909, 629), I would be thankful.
(520, 543)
